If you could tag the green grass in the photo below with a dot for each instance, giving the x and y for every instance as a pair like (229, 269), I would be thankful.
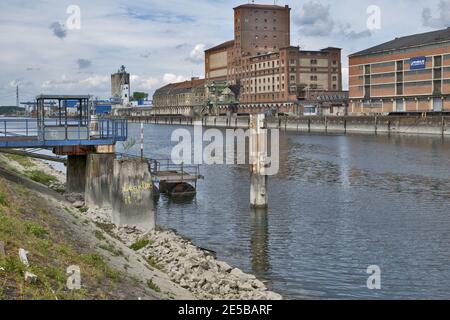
(138, 245)
(36, 230)
(41, 177)
(95, 260)
(153, 286)
(13, 265)
(22, 160)
(28, 223)
(3, 199)
(99, 235)
(154, 263)
(111, 248)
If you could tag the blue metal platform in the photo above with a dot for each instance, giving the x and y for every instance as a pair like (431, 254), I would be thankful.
(26, 133)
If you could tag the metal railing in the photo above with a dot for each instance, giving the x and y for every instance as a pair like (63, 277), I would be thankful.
(72, 129)
(166, 165)
(158, 165)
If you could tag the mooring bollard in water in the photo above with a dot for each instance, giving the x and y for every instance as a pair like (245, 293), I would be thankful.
(258, 153)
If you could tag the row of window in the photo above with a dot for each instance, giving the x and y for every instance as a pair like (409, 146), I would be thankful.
(265, 20)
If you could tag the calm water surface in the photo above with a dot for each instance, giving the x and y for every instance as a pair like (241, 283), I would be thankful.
(338, 205)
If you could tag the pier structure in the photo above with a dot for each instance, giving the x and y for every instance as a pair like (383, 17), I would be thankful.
(88, 146)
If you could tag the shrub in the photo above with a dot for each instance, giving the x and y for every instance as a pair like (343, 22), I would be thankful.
(40, 177)
(3, 199)
(153, 286)
(138, 245)
(36, 230)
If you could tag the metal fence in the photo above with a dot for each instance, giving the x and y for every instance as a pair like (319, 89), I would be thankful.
(17, 132)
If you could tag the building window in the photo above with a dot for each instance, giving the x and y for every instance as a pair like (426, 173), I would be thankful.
(334, 78)
(313, 61)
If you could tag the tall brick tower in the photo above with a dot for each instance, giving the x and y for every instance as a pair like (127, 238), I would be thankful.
(259, 29)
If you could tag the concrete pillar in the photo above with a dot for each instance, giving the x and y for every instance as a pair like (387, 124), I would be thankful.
(258, 154)
(258, 191)
(99, 173)
(76, 173)
(132, 194)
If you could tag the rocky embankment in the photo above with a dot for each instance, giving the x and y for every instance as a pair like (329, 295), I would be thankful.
(186, 265)
(195, 269)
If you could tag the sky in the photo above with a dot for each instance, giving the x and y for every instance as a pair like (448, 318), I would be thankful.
(44, 49)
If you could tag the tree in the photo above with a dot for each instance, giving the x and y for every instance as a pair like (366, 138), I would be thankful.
(139, 96)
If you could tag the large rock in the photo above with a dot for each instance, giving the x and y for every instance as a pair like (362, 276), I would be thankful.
(273, 296)
(30, 277)
(223, 266)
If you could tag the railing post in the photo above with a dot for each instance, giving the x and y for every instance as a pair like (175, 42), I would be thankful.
(182, 171)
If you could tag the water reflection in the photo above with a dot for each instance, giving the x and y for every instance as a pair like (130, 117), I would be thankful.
(259, 242)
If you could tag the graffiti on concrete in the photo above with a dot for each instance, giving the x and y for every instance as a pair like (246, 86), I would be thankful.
(134, 192)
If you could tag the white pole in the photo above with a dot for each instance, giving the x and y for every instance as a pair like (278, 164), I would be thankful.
(142, 140)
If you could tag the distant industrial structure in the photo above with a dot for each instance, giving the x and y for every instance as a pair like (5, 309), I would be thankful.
(259, 70)
(120, 86)
(406, 75)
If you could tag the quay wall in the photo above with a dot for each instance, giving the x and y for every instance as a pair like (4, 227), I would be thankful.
(432, 125)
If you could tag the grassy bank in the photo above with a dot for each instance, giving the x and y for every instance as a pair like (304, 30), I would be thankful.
(26, 221)
(33, 169)
(57, 235)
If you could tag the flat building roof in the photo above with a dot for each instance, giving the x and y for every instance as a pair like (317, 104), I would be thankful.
(416, 40)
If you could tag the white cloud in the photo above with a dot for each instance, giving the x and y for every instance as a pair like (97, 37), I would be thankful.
(197, 54)
(172, 78)
(96, 81)
(345, 78)
(145, 84)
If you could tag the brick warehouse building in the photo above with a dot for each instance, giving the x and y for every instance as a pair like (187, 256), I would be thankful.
(408, 74)
(270, 73)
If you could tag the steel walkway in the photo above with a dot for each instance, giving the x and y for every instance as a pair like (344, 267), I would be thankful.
(24, 133)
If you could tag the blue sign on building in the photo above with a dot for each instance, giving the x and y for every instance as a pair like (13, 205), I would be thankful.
(102, 109)
(417, 63)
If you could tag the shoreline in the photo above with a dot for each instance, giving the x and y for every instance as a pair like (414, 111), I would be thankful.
(163, 250)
